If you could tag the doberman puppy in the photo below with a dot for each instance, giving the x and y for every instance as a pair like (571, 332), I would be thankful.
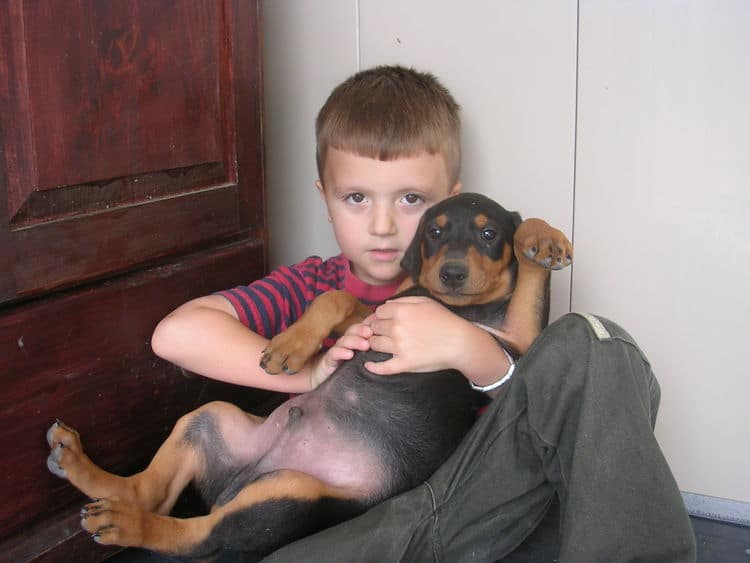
(328, 455)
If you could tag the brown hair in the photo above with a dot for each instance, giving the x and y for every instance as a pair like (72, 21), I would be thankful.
(389, 112)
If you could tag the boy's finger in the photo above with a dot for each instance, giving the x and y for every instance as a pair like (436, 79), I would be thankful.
(368, 320)
(331, 362)
(384, 311)
(359, 329)
(387, 367)
(352, 342)
(391, 308)
(382, 327)
(383, 344)
(410, 299)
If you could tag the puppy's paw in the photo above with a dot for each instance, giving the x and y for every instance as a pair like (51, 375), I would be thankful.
(114, 522)
(65, 450)
(290, 350)
(536, 241)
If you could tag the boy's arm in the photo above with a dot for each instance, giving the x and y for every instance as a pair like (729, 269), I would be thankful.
(424, 336)
(205, 336)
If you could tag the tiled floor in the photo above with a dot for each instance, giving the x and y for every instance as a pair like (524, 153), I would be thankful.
(721, 543)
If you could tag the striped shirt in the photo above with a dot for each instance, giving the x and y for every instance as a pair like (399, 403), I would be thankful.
(269, 305)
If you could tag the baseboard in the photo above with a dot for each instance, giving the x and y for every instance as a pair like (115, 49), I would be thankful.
(714, 508)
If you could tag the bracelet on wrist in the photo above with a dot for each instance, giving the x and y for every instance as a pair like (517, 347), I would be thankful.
(508, 374)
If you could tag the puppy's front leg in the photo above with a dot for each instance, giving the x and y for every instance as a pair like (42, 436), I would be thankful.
(539, 248)
(333, 311)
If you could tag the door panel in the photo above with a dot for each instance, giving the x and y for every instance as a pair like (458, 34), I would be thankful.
(59, 253)
(114, 108)
(137, 87)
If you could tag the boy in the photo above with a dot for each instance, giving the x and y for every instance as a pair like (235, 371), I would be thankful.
(575, 422)
(388, 148)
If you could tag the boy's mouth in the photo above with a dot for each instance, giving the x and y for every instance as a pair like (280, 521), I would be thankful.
(384, 254)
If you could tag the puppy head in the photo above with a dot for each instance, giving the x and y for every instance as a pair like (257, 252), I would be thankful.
(462, 252)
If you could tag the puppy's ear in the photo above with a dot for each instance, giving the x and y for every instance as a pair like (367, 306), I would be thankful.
(517, 220)
(411, 263)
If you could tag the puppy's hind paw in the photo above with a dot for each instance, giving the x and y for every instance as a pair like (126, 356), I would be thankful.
(65, 449)
(53, 462)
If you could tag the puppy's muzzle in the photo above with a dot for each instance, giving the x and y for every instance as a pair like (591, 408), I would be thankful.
(453, 275)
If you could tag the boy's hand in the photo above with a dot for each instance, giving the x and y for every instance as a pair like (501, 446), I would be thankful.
(356, 337)
(417, 331)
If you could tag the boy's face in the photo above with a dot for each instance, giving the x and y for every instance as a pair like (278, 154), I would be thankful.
(375, 207)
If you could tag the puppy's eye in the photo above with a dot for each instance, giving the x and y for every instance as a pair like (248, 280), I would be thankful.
(488, 234)
(436, 232)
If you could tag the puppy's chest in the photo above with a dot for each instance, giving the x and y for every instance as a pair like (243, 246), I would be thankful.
(489, 314)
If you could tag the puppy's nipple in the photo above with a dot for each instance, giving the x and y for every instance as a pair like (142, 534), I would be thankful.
(295, 413)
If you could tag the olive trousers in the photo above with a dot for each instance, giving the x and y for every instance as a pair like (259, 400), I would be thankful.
(575, 421)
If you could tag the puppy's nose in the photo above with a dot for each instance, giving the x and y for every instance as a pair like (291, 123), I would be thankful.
(453, 275)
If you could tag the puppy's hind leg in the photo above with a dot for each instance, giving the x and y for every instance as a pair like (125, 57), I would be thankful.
(68, 461)
(275, 509)
(178, 461)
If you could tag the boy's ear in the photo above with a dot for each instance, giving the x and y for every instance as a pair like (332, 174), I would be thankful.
(456, 189)
(322, 194)
(411, 263)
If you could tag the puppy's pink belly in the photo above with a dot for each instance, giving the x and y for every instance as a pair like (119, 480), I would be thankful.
(299, 435)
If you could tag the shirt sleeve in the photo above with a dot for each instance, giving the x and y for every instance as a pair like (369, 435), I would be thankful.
(269, 305)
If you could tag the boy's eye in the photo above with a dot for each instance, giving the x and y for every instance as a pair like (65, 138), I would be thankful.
(436, 232)
(412, 199)
(488, 234)
(355, 198)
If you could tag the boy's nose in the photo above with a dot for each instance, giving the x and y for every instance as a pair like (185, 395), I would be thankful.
(383, 221)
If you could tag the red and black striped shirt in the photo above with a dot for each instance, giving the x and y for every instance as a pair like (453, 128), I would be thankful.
(269, 305)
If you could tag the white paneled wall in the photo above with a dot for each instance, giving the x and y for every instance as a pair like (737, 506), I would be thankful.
(309, 47)
(636, 144)
(661, 215)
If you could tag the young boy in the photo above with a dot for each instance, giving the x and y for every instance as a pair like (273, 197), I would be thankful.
(575, 422)
(388, 148)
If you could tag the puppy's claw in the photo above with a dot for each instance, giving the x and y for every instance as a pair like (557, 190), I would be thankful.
(52, 428)
(530, 253)
(55, 468)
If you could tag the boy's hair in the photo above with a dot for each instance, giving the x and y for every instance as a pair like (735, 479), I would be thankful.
(389, 112)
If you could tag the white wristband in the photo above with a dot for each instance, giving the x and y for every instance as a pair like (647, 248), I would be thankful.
(503, 379)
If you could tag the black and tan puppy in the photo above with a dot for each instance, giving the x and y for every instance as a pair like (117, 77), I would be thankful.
(325, 456)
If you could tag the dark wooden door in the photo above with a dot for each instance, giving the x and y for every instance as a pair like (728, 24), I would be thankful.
(130, 181)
